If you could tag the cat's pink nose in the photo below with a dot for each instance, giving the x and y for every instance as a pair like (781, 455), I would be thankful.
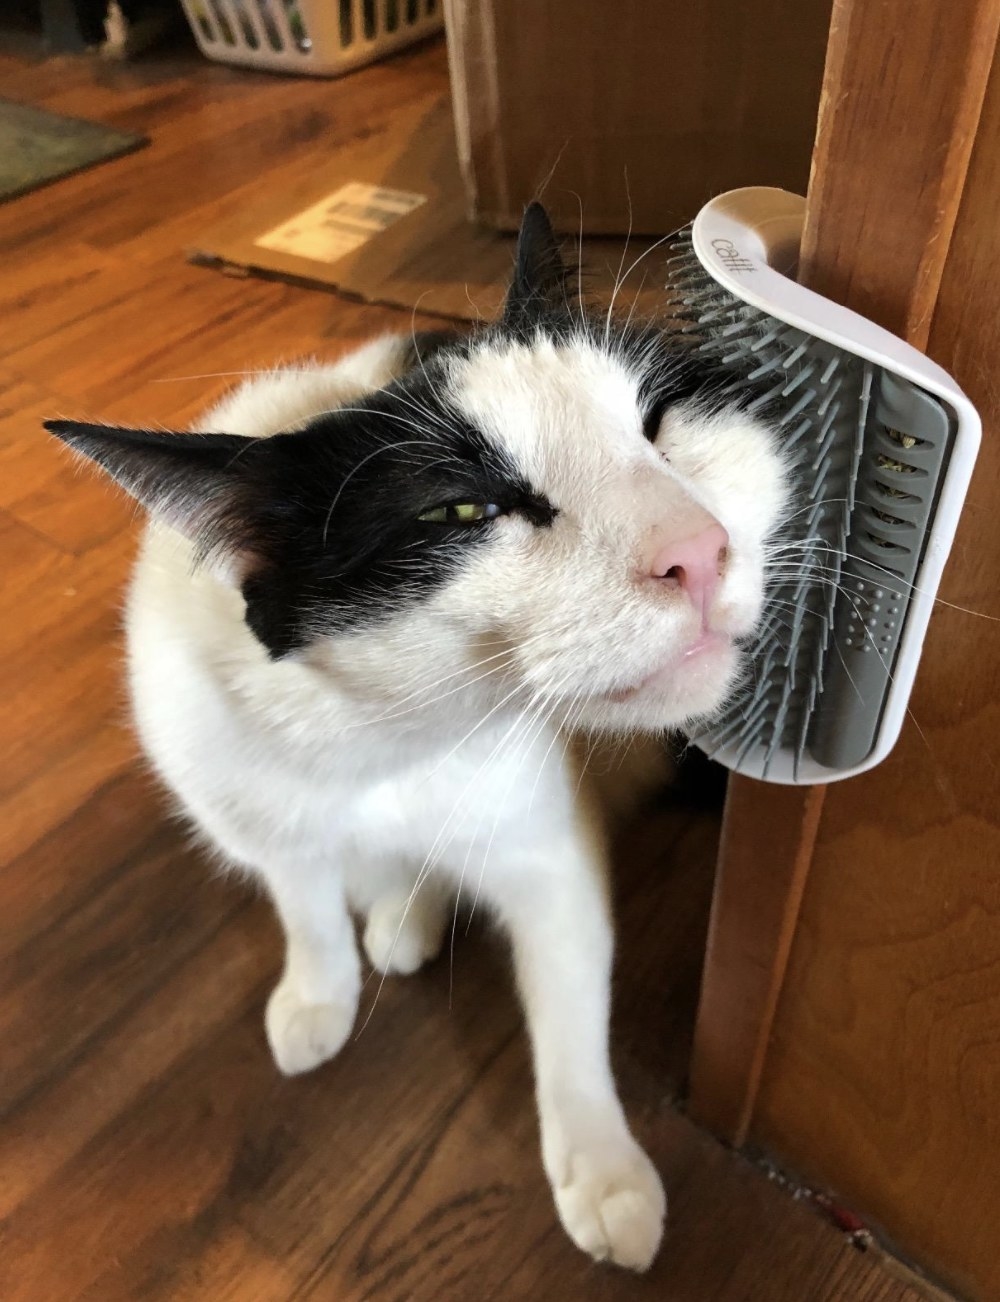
(693, 565)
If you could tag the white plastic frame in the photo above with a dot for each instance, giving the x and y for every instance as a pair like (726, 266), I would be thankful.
(741, 239)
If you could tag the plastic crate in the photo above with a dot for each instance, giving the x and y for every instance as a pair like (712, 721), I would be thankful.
(321, 37)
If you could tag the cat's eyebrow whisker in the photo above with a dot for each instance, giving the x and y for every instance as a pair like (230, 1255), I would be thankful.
(631, 312)
(435, 419)
(379, 451)
(428, 422)
(413, 334)
(472, 303)
(579, 262)
(645, 254)
(621, 264)
(427, 431)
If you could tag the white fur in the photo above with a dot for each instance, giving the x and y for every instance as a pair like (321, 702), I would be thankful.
(432, 751)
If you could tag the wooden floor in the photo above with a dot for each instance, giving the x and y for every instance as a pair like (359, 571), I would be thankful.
(148, 1148)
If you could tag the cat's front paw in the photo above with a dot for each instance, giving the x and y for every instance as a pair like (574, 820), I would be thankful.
(403, 932)
(302, 1035)
(612, 1205)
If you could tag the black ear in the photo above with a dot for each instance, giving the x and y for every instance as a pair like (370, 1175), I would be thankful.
(540, 280)
(199, 484)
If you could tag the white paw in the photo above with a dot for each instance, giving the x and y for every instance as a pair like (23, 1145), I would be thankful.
(612, 1205)
(303, 1035)
(402, 935)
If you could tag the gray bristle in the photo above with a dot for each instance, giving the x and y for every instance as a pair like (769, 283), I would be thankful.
(821, 607)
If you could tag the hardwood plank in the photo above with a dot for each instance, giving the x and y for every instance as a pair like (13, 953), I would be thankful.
(215, 132)
(52, 285)
(808, 1266)
(50, 493)
(101, 957)
(69, 778)
(64, 1113)
(69, 644)
(59, 869)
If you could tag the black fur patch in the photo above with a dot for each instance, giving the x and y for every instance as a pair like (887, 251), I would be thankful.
(358, 550)
(540, 286)
(326, 519)
(325, 522)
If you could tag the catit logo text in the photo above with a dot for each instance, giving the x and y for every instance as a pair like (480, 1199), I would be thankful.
(730, 255)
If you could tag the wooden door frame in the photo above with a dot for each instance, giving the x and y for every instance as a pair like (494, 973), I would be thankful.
(902, 92)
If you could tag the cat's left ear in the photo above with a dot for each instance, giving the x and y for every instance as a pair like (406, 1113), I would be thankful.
(207, 486)
(541, 278)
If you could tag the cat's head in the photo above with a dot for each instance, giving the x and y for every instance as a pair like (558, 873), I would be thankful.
(559, 497)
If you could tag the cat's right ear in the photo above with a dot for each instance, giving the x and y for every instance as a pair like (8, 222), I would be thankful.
(203, 485)
(541, 278)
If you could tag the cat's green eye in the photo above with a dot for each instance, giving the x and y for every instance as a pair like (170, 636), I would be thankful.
(461, 513)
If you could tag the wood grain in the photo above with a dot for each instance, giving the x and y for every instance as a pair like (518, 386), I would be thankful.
(766, 848)
(668, 104)
(149, 1149)
(902, 93)
(884, 1068)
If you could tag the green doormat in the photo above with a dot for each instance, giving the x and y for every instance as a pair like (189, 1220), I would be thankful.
(37, 147)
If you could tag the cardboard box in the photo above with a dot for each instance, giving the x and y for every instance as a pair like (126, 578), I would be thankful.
(383, 220)
(631, 112)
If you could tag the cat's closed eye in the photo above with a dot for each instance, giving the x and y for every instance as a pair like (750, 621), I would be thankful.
(461, 513)
(653, 417)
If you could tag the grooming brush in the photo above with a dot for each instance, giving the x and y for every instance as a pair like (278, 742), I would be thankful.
(879, 444)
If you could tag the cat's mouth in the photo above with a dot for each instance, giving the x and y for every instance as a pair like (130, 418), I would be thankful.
(707, 640)
(708, 653)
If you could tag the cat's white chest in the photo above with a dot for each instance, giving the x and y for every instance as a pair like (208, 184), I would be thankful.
(470, 805)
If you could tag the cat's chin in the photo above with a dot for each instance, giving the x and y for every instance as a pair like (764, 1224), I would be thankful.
(694, 684)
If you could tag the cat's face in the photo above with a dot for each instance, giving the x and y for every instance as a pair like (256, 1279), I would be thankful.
(630, 601)
(569, 505)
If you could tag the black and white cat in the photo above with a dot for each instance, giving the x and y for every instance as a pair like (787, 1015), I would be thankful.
(371, 608)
